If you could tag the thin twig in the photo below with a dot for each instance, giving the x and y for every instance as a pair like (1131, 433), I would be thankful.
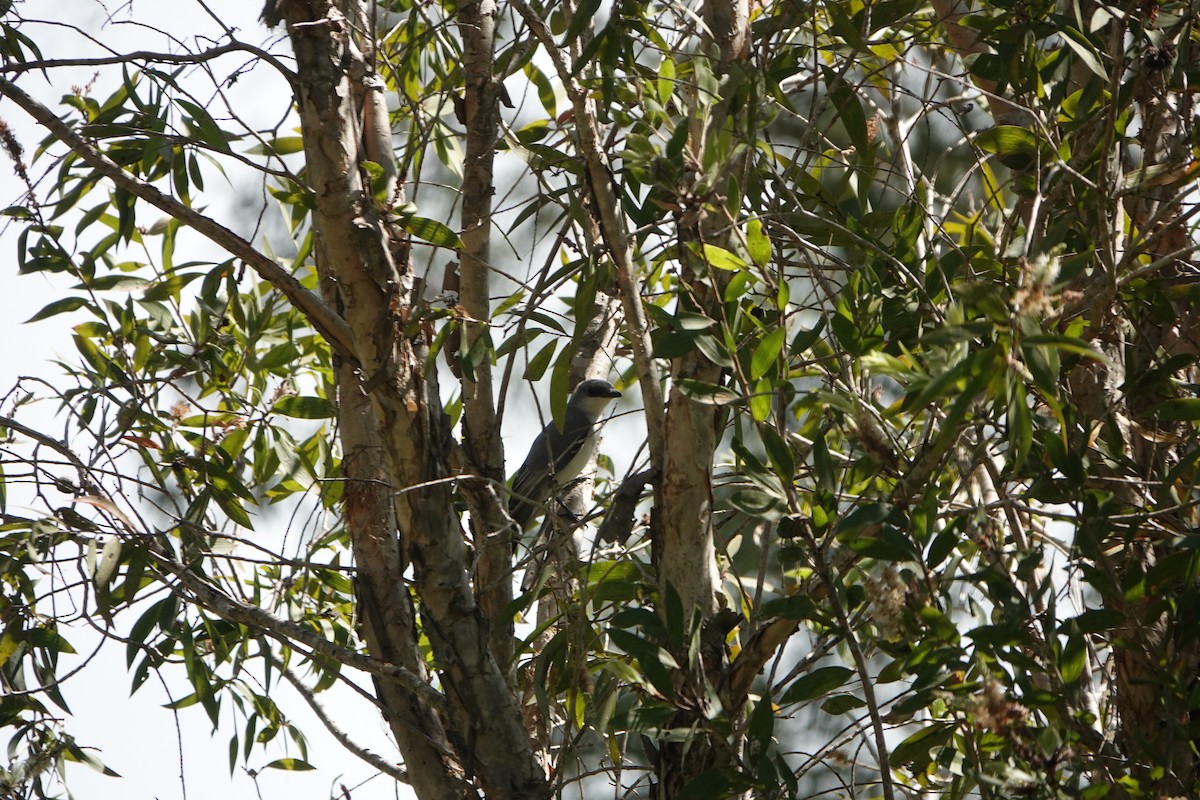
(378, 762)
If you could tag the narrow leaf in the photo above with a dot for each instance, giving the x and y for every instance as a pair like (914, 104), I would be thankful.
(304, 407)
(432, 231)
(820, 681)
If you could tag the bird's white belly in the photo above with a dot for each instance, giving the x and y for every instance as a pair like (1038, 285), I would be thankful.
(576, 465)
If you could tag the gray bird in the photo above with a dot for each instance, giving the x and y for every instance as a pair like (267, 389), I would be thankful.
(557, 457)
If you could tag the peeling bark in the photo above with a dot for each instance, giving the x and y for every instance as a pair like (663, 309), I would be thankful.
(685, 552)
(481, 431)
(1157, 663)
(388, 620)
(368, 261)
(686, 555)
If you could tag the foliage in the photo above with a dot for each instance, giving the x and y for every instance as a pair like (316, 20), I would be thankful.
(906, 264)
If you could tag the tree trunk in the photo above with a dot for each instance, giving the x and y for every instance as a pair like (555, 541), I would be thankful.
(685, 552)
(1158, 653)
(376, 291)
(481, 433)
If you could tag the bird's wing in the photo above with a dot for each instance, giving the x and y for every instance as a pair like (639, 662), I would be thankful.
(532, 481)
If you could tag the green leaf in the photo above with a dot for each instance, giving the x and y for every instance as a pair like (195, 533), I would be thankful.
(778, 452)
(614, 580)
(1181, 409)
(797, 606)
(538, 364)
(849, 109)
(279, 356)
(232, 508)
(716, 783)
(721, 258)
(290, 764)
(64, 306)
(585, 12)
(841, 703)
(806, 338)
(738, 285)
(762, 721)
(916, 748)
(283, 145)
(768, 352)
(1084, 51)
(301, 407)
(757, 504)
(560, 387)
(1097, 620)
(654, 661)
(864, 516)
(665, 86)
(707, 393)
(432, 231)
(692, 321)
(761, 400)
(126, 204)
(77, 754)
(758, 243)
(1017, 147)
(1045, 365)
(545, 89)
(377, 178)
(842, 25)
(823, 463)
(1020, 426)
(110, 559)
(713, 349)
(1073, 659)
(210, 133)
(820, 681)
(667, 343)
(50, 639)
(183, 702)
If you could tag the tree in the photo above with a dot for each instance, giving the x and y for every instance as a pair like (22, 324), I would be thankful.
(907, 292)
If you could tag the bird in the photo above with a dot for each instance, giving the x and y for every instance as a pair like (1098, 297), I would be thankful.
(556, 457)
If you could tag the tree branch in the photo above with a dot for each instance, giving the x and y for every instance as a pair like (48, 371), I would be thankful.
(17, 68)
(393, 771)
(322, 317)
(616, 235)
(288, 632)
(226, 607)
(481, 433)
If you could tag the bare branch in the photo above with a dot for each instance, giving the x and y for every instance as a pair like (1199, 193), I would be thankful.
(17, 67)
(386, 767)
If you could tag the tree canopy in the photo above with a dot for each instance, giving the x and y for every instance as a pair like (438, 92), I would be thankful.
(901, 298)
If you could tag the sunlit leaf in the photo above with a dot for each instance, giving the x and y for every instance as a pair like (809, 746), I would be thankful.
(290, 765)
(432, 231)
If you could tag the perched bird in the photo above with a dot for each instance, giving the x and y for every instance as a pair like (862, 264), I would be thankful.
(557, 457)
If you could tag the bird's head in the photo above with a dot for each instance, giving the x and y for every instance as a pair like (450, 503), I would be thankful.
(593, 396)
